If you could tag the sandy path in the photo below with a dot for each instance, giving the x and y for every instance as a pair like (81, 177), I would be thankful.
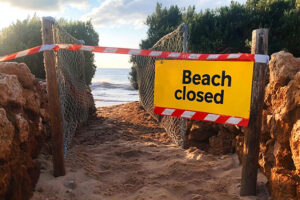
(123, 154)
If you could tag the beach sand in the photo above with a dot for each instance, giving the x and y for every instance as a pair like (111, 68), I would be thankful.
(123, 154)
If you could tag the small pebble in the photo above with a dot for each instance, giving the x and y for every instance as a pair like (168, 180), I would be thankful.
(69, 190)
(40, 189)
(70, 184)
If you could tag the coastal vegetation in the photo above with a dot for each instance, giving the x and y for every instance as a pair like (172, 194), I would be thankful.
(228, 29)
(25, 34)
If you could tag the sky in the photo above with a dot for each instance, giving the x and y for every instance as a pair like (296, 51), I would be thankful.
(119, 23)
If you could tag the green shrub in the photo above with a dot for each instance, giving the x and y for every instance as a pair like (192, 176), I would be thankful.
(228, 29)
(27, 33)
(133, 78)
(20, 36)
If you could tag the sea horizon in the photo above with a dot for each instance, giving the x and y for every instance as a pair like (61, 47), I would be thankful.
(111, 86)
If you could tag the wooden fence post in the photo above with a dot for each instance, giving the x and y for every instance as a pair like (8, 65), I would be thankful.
(184, 121)
(253, 131)
(53, 99)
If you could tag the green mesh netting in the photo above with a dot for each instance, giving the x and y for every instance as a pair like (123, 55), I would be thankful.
(75, 96)
(176, 42)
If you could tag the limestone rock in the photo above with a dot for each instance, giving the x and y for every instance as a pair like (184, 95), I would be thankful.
(239, 146)
(6, 135)
(20, 70)
(279, 153)
(41, 90)
(200, 134)
(10, 90)
(212, 137)
(45, 115)
(283, 98)
(23, 127)
(223, 143)
(5, 177)
(22, 130)
(283, 157)
(283, 184)
(295, 145)
(266, 156)
(32, 101)
(283, 67)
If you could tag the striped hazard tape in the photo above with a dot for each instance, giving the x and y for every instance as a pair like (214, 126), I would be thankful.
(159, 54)
(222, 119)
(140, 52)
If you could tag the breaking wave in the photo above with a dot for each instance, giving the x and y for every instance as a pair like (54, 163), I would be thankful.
(109, 85)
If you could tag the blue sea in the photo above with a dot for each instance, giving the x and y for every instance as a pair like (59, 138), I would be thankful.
(111, 86)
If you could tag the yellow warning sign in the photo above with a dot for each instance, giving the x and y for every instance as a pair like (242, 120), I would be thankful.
(219, 87)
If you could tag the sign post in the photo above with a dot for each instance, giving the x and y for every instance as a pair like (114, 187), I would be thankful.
(253, 131)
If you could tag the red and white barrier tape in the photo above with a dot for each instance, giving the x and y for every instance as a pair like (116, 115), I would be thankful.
(140, 52)
(222, 119)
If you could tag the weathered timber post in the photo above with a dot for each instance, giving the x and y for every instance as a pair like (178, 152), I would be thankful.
(184, 121)
(253, 131)
(53, 99)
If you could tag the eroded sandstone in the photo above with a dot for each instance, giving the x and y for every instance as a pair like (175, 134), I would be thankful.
(22, 130)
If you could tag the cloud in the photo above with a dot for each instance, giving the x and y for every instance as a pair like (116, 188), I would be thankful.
(47, 5)
(112, 13)
(119, 12)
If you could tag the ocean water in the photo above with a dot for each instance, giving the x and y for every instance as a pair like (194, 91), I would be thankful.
(111, 86)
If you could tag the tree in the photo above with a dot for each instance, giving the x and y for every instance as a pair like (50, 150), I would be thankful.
(228, 29)
(133, 77)
(20, 36)
(222, 30)
(283, 19)
(83, 31)
(27, 33)
(161, 22)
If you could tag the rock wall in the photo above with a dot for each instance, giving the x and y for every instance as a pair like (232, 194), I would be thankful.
(280, 139)
(23, 129)
(214, 138)
(279, 157)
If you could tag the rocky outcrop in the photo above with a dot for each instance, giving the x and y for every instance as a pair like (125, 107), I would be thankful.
(223, 143)
(295, 145)
(215, 138)
(6, 135)
(23, 118)
(10, 91)
(198, 134)
(21, 71)
(284, 184)
(279, 156)
(280, 139)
